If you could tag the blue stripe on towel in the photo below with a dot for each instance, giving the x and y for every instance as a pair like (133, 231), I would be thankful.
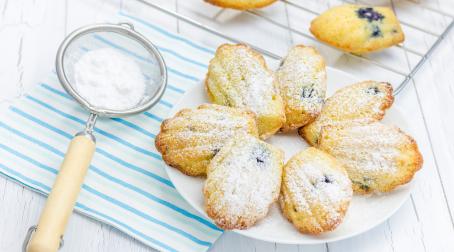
(135, 168)
(122, 121)
(100, 131)
(168, 34)
(119, 120)
(26, 137)
(134, 126)
(152, 116)
(157, 199)
(142, 235)
(205, 66)
(98, 150)
(56, 91)
(89, 189)
(146, 216)
(28, 159)
(44, 189)
(165, 103)
(65, 95)
(31, 181)
(162, 214)
(169, 69)
(167, 50)
(174, 88)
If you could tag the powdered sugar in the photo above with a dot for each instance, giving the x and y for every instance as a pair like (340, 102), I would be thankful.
(371, 148)
(356, 104)
(313, 183)
(107, 79)
(302, 79)
(245, 176)
(194, 136)
(215, 118)
(252, 84)
(353, 105)
(257, 82)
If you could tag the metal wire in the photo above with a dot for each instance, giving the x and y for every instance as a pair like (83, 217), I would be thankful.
(398, 89)
(432, 9)
(377, 63)
(402, 22)
(406, 23)
(424, 59)
(209, 29)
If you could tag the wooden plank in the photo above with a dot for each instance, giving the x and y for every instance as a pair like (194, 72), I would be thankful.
(436, 225)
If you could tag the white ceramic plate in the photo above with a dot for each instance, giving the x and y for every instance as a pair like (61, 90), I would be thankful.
(365, 212)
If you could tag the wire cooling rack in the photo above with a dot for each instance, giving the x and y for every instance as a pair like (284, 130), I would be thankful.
(406, 76)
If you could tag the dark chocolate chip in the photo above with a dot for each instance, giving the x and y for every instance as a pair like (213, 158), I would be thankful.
(370, 14)
(259, 160)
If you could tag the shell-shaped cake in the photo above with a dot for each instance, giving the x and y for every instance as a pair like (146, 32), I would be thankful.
(360, 103)
(316, 191)
(243, 180)
(238, 77)
(190, 139)
(358, 29)
(302, 82)
(377, 157)
(241, 4)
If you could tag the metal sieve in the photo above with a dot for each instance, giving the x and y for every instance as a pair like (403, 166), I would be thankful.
(47, 235)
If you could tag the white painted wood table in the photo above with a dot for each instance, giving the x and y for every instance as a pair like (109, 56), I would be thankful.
(31, 30)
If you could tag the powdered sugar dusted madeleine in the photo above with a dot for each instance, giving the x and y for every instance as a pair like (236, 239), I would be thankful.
(360, 103)
(243, 180)
(302, 82)
(316, 191)
(241, 4)
(190, 139)
(238, 77)
(377, 157)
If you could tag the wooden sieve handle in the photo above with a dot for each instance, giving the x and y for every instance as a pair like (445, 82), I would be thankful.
(63, 196)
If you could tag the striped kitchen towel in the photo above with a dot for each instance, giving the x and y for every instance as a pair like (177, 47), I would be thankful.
(126, 186)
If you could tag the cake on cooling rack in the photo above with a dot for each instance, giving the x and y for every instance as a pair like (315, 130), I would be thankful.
(377, 157)
(360, 103)
(243, 180)
(238, 77)
(358, 29)
(190, 139)
(316, 191)
(241, 4)
(302, 81)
